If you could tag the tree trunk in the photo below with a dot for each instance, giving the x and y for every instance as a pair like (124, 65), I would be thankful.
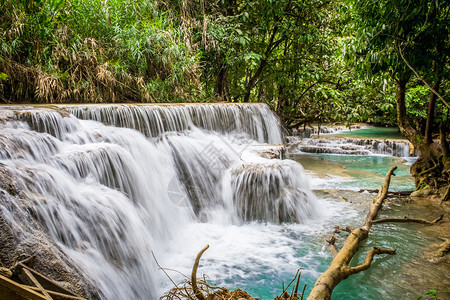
(443, 138)
(403, 123)
(430, 113)
(252, 82)
(428, 169)
(340, 266)
(272, 45)
(221, 83)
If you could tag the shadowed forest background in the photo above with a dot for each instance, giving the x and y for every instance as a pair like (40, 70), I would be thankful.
(311, 61)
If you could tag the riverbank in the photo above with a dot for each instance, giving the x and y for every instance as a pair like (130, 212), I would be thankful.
(420, 264)
(107, 185)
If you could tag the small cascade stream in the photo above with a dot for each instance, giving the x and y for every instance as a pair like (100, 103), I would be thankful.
(97, 190)
(111, 184)
(352, 146)
(362, 141)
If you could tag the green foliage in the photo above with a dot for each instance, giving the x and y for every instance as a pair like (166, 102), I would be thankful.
(417, 101)
(286, 53)
(308, 64)
(96, 51)
(418, 30)
(432, 293)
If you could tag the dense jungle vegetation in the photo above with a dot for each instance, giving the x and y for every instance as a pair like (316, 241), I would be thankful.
(311, 61)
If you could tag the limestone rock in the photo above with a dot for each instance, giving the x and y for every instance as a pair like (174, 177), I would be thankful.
(425, 192)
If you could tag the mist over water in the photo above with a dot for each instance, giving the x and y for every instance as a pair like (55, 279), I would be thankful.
(112, 184)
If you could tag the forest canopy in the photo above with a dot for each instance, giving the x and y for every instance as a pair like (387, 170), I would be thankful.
(311, 61)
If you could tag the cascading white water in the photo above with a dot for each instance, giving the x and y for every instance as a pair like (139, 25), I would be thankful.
(352, 146)
(269, 190)
(109, 195)
(257, 121)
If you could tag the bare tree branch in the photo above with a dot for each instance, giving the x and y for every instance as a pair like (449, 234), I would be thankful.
(420, 78)
(369, 258)
(195, 288)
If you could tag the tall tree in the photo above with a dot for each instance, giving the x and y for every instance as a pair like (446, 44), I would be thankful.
(409, 40)
(257, 50)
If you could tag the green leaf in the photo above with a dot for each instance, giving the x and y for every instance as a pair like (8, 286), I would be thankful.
(3, 77)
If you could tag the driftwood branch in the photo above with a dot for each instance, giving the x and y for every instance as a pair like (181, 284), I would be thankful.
(369, 258)
(332, 247)
(399, 193)
(162, 269)
(37, 284)
(339, 268)
(284, 294)
(339, 229)
(295, 292)
(195, 288)
(408, 220)
(444, 248)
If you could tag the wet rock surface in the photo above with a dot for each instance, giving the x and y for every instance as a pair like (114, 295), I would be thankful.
(21, 238)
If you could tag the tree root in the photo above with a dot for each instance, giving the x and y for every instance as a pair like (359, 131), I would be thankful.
(427, 177)
(446, 195)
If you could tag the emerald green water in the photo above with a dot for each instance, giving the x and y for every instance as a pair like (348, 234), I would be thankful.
(336, 180)
(261, 257)
(299, 246)
(373, 133)
(356, 172)
(390, 276)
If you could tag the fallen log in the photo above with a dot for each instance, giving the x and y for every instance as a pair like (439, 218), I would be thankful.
(408, 220)
(392, 193)
(339, 268)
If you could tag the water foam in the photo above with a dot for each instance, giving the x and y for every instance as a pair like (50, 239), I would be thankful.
(105, 194)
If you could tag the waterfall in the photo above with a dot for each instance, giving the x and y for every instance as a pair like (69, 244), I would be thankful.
(152, 120)
(109, 184)
(352, 146)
